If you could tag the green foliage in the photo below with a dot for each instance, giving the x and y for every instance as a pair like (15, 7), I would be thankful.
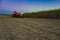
(44, 14)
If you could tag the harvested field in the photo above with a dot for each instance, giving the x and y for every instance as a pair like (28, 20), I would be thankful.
(29, 28)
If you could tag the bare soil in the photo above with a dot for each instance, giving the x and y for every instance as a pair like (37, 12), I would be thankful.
(29, 28)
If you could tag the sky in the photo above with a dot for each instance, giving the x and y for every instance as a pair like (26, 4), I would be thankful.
(8, 6)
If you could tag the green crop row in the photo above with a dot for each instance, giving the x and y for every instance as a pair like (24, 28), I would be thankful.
(43, 14)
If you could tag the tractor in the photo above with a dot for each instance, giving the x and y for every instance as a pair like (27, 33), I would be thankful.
(16, 14)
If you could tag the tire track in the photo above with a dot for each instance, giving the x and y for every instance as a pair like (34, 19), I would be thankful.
(27, 29)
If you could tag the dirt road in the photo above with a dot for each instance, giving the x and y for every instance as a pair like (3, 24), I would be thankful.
(29, 28)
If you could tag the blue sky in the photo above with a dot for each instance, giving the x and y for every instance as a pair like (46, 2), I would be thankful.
(8, 6)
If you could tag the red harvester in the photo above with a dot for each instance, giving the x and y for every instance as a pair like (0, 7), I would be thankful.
(16, 14)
